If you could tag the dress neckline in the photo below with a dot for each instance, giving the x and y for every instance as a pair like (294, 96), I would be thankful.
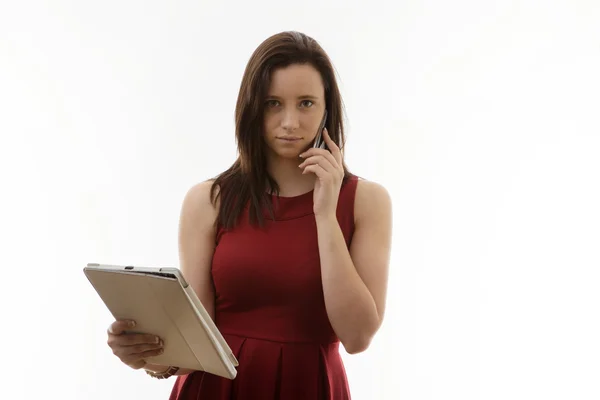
(276, 196)
(294, 207)
(291, 207)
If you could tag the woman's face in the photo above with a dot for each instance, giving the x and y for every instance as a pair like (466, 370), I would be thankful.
(294, 107)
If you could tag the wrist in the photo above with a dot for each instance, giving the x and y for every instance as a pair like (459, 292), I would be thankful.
(170, 371)
(156, 368)
(326, 219)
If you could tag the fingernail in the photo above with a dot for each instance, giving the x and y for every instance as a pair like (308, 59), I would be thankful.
(162, 343)
(156, 340)
(160, 351)
(132, 323)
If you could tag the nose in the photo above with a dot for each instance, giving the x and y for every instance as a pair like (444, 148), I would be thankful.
(290, 120)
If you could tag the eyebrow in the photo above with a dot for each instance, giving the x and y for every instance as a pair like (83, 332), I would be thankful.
(306, 96)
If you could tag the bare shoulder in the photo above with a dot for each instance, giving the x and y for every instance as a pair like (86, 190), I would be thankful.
(198, 202)
(371, 199)
(201, 191)
(197, 241)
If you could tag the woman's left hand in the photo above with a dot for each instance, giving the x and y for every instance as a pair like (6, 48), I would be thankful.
(328, 167)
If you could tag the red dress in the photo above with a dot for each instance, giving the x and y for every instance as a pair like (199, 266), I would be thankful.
(271, 311)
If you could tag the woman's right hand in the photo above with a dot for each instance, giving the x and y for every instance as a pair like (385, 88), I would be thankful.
(132, 348)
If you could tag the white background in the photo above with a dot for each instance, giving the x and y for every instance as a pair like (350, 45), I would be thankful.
(480, 117)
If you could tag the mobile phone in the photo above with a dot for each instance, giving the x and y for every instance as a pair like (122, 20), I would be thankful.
(319, 141)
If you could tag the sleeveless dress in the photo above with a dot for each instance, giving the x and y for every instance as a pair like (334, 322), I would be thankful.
(270, 308)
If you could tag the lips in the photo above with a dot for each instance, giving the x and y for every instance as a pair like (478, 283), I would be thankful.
(289, 138)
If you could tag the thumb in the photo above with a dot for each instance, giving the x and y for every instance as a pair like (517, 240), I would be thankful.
(120, 326)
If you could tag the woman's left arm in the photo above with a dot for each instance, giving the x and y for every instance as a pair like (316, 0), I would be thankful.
(355, 279)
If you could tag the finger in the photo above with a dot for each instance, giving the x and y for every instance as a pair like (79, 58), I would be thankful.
(133, 359)
(132, 353)
(152, 353)
(335, 150)
(120, 326)
(132, 339)
(317, 170)
(139, 349)
(313, 151)
(320, 152)
(326, 162)
(137, 364)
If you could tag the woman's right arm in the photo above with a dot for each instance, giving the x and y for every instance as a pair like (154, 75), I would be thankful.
(197, 243)
(196, 248)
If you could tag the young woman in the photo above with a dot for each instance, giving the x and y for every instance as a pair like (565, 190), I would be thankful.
(287, 250)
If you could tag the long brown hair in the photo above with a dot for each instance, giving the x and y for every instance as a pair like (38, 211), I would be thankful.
(247, 180)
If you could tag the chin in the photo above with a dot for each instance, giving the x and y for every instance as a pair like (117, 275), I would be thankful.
(289, 154)
(288, 151)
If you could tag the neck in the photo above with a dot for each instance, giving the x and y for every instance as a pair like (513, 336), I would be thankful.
(289, 177)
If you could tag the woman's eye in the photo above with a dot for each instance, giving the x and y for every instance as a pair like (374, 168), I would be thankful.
(275, 103)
